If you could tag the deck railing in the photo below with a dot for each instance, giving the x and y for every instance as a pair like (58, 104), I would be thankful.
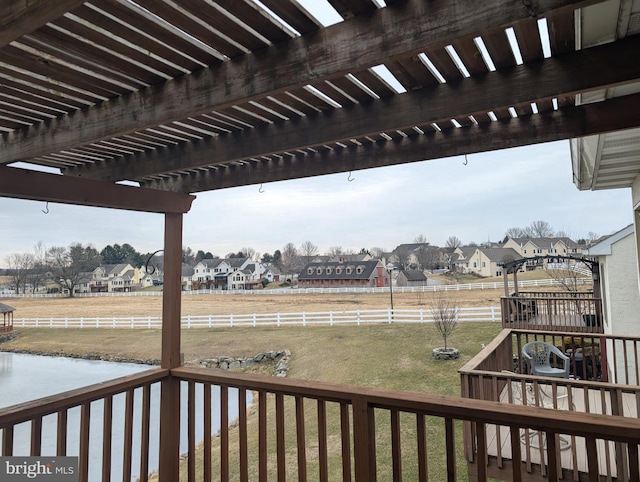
(498, 374)
(316, 430)
(558, 311)
(53, 426)
(309, 431)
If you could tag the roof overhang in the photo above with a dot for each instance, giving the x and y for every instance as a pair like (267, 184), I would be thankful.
(604, 247)
(608, 160)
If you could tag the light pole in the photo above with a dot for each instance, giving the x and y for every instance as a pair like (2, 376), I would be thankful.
(389, 270)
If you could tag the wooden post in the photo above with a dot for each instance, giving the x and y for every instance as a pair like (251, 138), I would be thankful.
(170, 391)
(364, 445)
(505, 277)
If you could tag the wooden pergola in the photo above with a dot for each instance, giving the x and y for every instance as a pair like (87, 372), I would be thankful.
(184, 96)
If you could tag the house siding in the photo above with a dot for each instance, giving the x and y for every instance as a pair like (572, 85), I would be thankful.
(620, 294)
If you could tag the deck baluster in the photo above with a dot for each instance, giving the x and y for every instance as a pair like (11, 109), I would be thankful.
(301, 439)
(107, 431)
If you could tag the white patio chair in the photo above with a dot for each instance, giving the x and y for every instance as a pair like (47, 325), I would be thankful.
(541, 400)
(538, 356)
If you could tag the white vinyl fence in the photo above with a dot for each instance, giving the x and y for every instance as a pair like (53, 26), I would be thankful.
(329, 318)
(294, 291)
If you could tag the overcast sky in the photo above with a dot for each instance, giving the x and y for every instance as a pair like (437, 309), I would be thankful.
(379, 208)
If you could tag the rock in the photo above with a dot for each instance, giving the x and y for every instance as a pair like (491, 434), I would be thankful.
(442, 353)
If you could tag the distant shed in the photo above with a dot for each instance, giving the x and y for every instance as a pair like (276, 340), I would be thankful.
(411, 277)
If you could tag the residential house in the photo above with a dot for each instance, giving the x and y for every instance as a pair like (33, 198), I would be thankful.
(486, 262)
(460, 258)
(238, 279)
(122, 284)
(447, 256)
(416, 255)
(187, 276)
(411, 277)
(216, 273)
(150, 279)
(210, 274)
(536, 247)
(616, 256)
(334, 274)
(111, 278)
(272, 274)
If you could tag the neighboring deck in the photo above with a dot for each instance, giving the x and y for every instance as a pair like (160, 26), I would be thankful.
(553, 311)
(498, 374)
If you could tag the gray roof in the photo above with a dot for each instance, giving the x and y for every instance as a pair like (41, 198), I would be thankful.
(236, 262)
(6, 308)
(367, 269)
(413, 275)
(211, 263)
(544, 242)
(500, 254)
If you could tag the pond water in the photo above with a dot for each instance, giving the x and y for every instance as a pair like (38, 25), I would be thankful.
(28, 377)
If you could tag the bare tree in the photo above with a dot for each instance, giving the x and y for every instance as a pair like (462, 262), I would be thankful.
(541, 229)
(421, 239)
(445, 313)
(572, 280)
(249, 252)
(427, 256)
(73, 265)
(516, 232)
(335, 251)
(401, 254)
(308, 250)
(592, 237)
(453, 242)
(568, 275)
(188, 256)
(290, 261)
(20, 265)
(38, 275)
(376, 252)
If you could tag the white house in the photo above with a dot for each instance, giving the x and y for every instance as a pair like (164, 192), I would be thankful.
(616, 256)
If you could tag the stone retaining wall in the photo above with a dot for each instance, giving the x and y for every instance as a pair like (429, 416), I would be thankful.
(281, 357)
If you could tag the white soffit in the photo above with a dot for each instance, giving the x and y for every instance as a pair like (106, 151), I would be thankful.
(611, 160)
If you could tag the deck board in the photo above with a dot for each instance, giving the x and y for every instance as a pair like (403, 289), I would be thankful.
(573, 452)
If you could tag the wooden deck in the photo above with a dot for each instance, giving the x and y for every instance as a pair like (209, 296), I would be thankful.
(578, 312)
(546, 321)
(572, 450)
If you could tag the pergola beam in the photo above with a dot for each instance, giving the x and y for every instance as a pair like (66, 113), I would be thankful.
(40, 186)
(535, 81)
(331, 52)
(21, 17)
(615, 114)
